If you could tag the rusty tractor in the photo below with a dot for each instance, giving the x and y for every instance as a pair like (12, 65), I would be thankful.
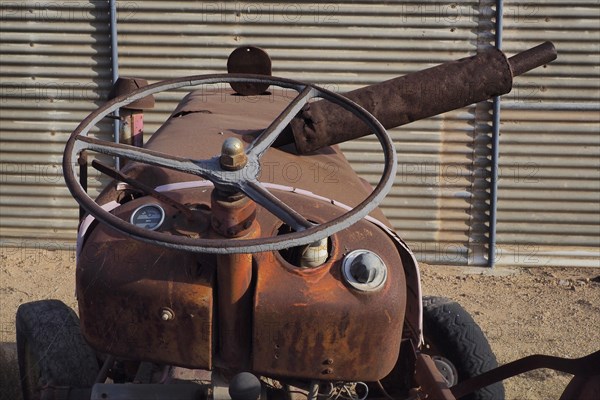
(213, 265)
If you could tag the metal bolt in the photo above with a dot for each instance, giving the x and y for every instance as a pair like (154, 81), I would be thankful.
(328, 371)
(166, 314)
(329, 361)
(233, 156)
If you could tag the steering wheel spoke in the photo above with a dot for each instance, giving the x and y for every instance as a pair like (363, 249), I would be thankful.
(268, 136)
(203, 168)
(257, 192)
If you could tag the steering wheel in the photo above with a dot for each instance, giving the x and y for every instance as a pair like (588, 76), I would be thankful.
(244, 179)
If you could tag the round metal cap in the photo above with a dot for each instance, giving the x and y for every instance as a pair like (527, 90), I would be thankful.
(233, 156)
(249, 60)
(364, 270)
(125, 85)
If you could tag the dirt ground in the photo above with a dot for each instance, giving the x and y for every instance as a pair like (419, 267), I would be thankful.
(522, 311)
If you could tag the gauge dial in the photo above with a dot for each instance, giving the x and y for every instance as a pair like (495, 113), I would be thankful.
(148, 216)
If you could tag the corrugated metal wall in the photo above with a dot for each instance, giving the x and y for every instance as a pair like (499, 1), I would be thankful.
(55, 68)
(439, 203)
(549, 185)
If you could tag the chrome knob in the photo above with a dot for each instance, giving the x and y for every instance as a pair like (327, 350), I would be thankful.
(233, 156)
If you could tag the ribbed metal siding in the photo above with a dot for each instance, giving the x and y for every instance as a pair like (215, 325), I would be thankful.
(55, 67)
(549, 187)
(439, 204)
(342, 47)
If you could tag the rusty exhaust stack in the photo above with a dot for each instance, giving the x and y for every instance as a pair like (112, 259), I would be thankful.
(415, 96)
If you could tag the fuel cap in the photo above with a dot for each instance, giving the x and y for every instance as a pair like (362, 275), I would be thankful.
(364, 270)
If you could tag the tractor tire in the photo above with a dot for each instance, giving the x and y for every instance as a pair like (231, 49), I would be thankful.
(455, 340)
(51, 349)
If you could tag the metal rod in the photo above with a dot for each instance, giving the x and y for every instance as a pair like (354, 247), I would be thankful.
(313, 390)
(532, 58)
(495, 147)
(114, 58)
(108, 363)
(83, 178)
(148, 190)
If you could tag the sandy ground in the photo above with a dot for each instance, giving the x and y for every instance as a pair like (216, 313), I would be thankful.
(522, 311)
(528, 311)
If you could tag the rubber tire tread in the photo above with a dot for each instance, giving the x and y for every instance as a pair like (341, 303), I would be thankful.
(51, 329)
(454, 333)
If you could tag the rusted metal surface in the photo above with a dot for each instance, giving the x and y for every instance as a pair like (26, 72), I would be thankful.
(124, 86)
(345, 325)
(327, 174)
(234, 277)
(309, 324)
(220, 115)
(233, 216)
(249, 60)
(123, 287)
(419, 95)
(532, 58)
(431, 382)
